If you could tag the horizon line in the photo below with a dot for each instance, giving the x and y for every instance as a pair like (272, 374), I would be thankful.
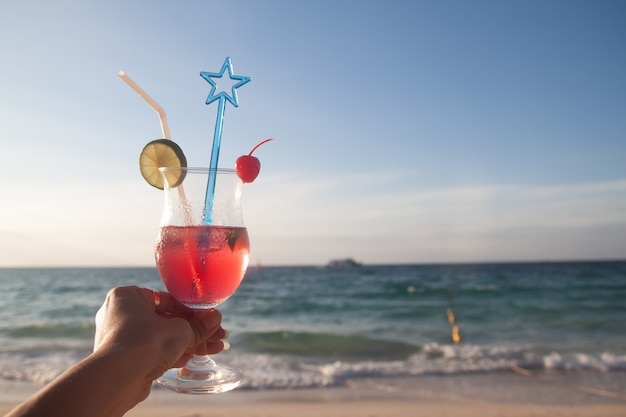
(315, 265)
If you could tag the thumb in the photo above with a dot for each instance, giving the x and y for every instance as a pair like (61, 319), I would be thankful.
(204, 323)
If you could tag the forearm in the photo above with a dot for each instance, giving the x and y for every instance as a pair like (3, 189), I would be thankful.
(105, 384)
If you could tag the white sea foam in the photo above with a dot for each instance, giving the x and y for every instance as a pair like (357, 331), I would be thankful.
(267, 371)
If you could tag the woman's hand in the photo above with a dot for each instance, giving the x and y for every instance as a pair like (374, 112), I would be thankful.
(140, 334)
(166, 334)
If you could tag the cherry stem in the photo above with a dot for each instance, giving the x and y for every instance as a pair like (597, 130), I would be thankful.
(254, 149)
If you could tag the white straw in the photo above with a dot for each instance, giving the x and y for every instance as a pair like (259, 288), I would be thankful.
(164, 128)
(166, 133)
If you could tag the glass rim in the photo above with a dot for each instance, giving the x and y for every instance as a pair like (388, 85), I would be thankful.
(198, 169)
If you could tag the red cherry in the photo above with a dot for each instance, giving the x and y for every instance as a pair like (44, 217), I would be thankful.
(248, 166)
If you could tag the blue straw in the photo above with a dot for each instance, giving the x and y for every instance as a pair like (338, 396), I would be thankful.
(222, 96)
(215, 154)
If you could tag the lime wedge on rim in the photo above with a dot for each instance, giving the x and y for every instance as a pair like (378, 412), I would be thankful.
(162, 153)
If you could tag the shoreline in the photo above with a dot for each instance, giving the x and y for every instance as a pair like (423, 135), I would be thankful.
(373, 408)
(268, 404)
(482, 395)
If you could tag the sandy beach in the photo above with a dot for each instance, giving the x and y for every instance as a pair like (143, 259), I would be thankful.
(379, 409)
(476, 396)
(270, 407)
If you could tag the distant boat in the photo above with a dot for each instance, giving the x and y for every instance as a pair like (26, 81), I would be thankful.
(343, 263)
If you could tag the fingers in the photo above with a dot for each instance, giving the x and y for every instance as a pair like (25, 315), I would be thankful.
(215, 347)
(164, 303)
(205, 324)
(207, 332)
(219, 334)
(211, 348)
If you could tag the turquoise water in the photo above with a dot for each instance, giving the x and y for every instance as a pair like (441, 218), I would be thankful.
(303, 327)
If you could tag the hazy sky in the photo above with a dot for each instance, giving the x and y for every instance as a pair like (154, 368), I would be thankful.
(406, 131)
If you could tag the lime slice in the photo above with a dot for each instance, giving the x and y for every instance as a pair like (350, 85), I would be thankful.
(162, 153)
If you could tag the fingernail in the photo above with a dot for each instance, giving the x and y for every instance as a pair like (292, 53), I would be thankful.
(226, 345)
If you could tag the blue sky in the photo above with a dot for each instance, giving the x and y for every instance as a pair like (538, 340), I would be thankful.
(406, 131)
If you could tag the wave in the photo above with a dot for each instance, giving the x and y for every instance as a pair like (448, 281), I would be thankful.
(44, 331)
(324, 345)
(38, 362)
(280, 360)
(275, 371)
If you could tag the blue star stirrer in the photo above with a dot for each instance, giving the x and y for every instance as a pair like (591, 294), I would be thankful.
(222, 97)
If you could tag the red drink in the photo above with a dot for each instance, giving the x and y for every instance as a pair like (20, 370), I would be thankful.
(202, 266)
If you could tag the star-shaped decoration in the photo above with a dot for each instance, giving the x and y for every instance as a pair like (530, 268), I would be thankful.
(222, 95)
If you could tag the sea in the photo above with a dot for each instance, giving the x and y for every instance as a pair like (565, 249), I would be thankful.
(325, 327)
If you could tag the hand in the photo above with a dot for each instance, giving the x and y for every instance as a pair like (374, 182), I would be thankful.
(136, 341)
(165, 335)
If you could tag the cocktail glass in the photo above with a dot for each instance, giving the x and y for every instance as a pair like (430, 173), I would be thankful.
(202, 255)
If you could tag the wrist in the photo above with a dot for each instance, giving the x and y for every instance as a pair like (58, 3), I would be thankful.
(133, 364)
(104, 384)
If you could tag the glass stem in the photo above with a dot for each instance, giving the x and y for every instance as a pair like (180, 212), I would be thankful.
(201, 359)
(200, 362)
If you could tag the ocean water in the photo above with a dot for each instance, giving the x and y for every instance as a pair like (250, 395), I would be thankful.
(309, 327)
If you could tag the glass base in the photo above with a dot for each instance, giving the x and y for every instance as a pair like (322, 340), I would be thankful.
(201, 375)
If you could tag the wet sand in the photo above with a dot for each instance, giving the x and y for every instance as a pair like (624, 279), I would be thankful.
(507, 395)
